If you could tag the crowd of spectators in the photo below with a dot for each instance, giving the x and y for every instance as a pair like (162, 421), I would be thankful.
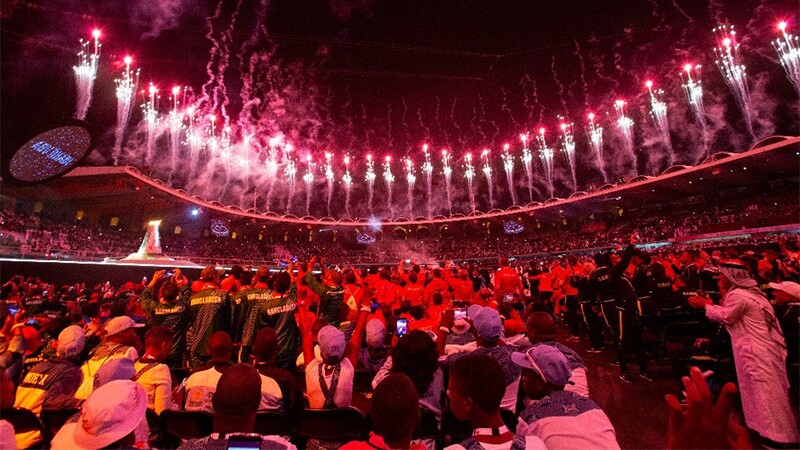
(466, 356)
(29, 235)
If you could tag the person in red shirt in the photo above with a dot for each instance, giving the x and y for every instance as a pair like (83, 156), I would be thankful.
(387, 293)
(507, 281)
(437, 285)
(462, 287)
(413, 291)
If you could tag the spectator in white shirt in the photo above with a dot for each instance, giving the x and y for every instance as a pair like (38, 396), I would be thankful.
(562, 419)
(329, 383)
(120, 341)
(201, 385)
(152, 373)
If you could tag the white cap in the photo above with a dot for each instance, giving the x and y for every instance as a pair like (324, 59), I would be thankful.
(120, 324)
(71, 341)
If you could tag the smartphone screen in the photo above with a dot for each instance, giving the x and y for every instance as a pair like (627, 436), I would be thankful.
(244, 442)
(508, 298)
(402, 327)
(460, 313)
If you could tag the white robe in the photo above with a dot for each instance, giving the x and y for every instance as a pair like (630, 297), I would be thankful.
(759, 352)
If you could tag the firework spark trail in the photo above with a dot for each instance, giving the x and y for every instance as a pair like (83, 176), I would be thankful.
(568, 149)
(595, 134)
(658, 111)
(411, 180)
(508, 166)
(559, 85)
(680, 10)
(694, 93)
(290, 172)
(406, 130)
(442, 129)
(456, 125)
(788, 49)
(546, 155)
(425, 129)
(347, 179)
(370, 179)
(625, 126)
(505, 108)
(329, 181)
(85, 74)
(272, 168)
(389, 126)
(194, 141)
(526, 100)
(220, 90)
(733, 72)
(427, 168)
(469, 174)
(364, 121)
(151, 119)
(487, 172)
(536, 102)
(582, 66)
(206, 89)
(482, 121)
(175, 129)
(388, 177)
(447, 171)
(475, 125)
(308, 178)
(126, 89)
(527, 163)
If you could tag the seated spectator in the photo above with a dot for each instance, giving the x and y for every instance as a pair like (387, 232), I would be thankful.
(475, 390)
(415, 356)
(108, 418)
(235, 404)
(25, 350)
(52, 384)
(201, 385)
(6, 401)
(562, 419)
(487, 327)
(329, 383)
(279, 391)
(152, 373)
(394, 414)
(120, 341)
(374, 355)
(542, 329)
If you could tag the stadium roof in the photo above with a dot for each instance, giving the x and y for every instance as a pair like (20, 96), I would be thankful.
(113, 189)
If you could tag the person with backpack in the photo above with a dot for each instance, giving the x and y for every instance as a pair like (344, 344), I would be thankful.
(152, 373)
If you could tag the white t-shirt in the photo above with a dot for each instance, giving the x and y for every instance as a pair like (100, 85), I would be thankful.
(565, 419)
(271, 395)
(344, 389)
(531, 443)
(157, 383)
(200, 387)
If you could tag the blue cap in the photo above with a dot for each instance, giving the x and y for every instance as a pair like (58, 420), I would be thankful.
(488, 324)
(547, 361)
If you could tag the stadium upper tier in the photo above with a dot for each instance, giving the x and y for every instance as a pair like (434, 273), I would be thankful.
(115, 188)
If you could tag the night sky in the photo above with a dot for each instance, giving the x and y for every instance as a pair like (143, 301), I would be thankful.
(386, 76)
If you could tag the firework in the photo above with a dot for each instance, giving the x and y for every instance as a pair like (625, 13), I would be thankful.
(527, 163)
(487, 172)
(347, 179)
(625, 126)
(388, 177)
(290, 172)
(469, 174)
(85, 73)
(308, 178)
(370, 179)
(694, 93)
(508, 166)
(658, 112)
(411, 180)
(427, 168)
(546, 155)
(175, 128)
(447, 172)
(568, 149)
(329, 181)
(788, 48)
(734, 73)
(151, 119)
(126, 87)
(595, 134)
